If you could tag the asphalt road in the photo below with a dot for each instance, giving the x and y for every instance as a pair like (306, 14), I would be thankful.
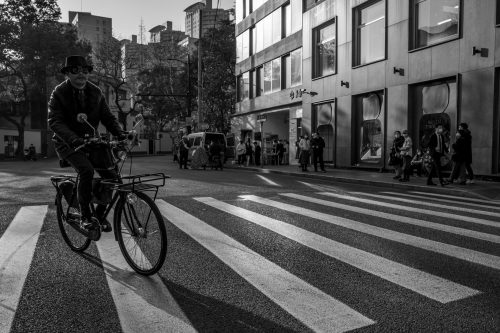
(252, 252)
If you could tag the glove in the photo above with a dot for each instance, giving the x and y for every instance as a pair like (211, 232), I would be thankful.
(77, 142)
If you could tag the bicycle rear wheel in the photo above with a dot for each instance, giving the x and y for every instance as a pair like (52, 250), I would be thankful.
(141, 232)
(75, 240)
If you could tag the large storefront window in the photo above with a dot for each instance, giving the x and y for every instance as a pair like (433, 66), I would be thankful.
(272, 76)
(435, 103)
(370, 136)
(324, 119)
(434, 21)
(325, 49)
(369, 37)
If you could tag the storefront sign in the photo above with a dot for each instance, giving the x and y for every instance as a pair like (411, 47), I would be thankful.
(261, 117)
(297, 93)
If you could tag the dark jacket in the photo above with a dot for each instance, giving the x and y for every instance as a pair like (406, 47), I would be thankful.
(459, 150)
(62, 116)
(317, 143)
(466, 134)
(433, 143)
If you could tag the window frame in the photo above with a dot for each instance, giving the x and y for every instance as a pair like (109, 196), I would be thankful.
(315, 33)
(356, 18)
(413, 21)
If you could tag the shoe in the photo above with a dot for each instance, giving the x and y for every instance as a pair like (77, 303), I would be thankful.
(105, 226)
(462, 183)
(404, 180)
(449, 180)
(324, 171)
(431, 184)
(89, 223)
(470, 181)
(396, 177)
(444, 183)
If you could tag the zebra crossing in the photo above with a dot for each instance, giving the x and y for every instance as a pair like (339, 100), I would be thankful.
(390, 219)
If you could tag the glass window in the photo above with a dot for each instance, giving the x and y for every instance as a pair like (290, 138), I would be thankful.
(276, 17)
(370, 33)
(325, 49)
(370, 139)
(243, 46)
(296, 15)
(287, 18)
(267, 28)
(247, 7)
(288, 71)
(238, 15)
(244, 86)
(268, 70)
(434, 21)
(260, 81)
(253, 83)
(296, 68)
(276, 84)
(258, 37)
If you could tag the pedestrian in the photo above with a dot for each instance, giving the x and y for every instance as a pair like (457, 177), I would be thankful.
(77, 95)
(176, 147)
(317, 146)
(406, 155)
(466, 134)
(305, 147)
(280, 151)
(458, 157)
(257, 153)
(286, 154)
(32, 152)
(395, 159)
(297, 147)
(417, 163)
(248, 152)
(240, 152)
(183, 152)
(437, 149)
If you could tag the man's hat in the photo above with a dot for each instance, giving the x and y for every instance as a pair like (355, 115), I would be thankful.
(74, 61)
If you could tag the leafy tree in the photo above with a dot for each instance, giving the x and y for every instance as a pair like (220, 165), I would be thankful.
(219, 57)
(109, 69)
(33, 46)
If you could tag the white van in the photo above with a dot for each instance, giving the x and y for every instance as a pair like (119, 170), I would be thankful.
(202, 139)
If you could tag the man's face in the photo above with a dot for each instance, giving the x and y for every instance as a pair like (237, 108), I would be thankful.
(439, 129)
(78, 76)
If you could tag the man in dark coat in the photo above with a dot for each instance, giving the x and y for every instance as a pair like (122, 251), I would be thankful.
(437, 149)
(74, 96)
(317, 145)
(258, 152)
(466, 134)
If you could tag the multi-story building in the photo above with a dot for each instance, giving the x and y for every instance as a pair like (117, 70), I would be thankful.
(358, 70)
(91, 27)
(200, 17)
(164, 33)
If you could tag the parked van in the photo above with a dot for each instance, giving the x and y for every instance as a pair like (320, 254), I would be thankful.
(202, 139)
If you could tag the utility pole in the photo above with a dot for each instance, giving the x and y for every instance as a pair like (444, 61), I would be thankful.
(199, 115)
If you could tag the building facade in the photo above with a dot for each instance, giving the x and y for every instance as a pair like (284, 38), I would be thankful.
(368, 68)
(91, 27)
(200, 17)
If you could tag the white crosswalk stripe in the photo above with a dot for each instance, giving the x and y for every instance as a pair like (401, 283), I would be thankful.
(423, 283)
(268, 181)
(469, 255)
(492, 202)
(395, 197)
(400, 219)
(469, 219)
(314, 308)
(17, 246)
(456, 200)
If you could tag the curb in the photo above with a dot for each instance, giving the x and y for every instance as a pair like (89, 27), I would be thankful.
(406, 186)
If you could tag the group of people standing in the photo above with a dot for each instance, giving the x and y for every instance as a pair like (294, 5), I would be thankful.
(310, 149)
(432, 161)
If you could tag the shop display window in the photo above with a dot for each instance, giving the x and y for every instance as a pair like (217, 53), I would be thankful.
(370, 135)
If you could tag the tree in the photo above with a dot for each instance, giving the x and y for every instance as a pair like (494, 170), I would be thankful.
(219, 57)
(166, 85)
(33, 44)
(109, 68)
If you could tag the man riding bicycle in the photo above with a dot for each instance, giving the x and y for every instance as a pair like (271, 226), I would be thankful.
(74, 96)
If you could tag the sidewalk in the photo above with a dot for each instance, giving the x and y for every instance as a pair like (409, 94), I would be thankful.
(487, 190)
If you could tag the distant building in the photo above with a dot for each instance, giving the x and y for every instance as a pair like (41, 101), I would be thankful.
(200, 17)
(164, 33)
(90, 27)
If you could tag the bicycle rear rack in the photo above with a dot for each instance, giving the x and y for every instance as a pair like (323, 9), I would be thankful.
(143, 182)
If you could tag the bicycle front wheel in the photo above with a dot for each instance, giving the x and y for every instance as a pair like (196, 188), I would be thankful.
(141, 232)
(75, 240)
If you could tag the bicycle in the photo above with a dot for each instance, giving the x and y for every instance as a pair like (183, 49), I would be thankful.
(138, 225)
